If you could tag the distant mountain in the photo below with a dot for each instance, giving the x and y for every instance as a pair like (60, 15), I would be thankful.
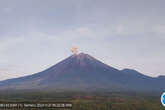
(140, 81)
(83, 72)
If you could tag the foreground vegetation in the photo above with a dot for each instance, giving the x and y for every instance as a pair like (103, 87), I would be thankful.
(87, 101)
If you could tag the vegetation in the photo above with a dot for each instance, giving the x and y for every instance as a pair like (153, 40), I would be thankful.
(87, 101)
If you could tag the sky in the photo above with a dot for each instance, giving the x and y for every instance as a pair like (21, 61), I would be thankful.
(36, 34)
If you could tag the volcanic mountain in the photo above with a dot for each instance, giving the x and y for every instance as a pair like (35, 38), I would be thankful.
(83, 72)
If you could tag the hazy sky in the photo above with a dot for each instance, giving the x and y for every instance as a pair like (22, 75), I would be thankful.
(36, 34)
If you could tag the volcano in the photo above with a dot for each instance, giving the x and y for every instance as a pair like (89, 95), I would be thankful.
(84, 72)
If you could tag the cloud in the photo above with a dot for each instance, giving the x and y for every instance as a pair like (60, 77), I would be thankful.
(159, 30)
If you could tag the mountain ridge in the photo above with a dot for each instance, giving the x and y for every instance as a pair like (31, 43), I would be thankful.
(82, 71)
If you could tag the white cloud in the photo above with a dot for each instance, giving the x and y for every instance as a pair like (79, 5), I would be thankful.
(78, 32)
(159, 29)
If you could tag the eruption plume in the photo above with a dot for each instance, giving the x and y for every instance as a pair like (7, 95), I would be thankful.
(74, 50)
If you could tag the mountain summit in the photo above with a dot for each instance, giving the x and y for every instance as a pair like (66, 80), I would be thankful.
(84, 72)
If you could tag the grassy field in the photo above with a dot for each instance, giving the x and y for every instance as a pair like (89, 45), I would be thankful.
(87, 101)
